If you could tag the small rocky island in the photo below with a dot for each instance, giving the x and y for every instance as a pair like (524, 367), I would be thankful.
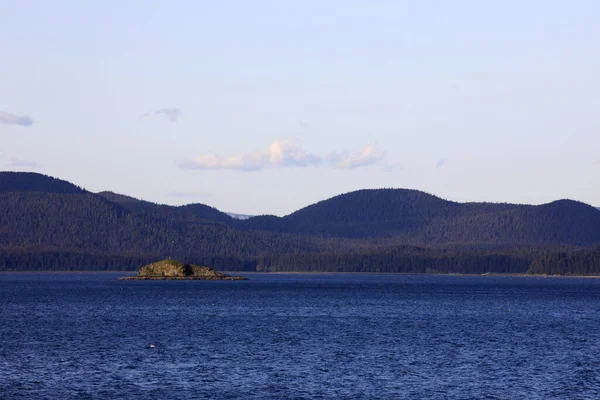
(176, 270)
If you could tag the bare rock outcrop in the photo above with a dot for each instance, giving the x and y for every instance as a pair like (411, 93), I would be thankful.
(176, 270)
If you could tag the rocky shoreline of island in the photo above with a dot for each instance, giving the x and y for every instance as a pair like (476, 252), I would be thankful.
(175, 270)
(182, 278)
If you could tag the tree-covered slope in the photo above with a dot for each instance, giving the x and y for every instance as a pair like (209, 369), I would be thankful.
(375, 206)
(579, 262)
(560, 222)
(413, 217)
(32, 182)
(49, 223)
(190, 212)
(89, 223)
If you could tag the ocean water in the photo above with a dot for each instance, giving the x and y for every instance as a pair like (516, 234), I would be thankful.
(91, 336)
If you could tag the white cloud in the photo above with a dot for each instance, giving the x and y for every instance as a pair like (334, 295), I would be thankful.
(13, 119)
(172, 114)
(247, 162)
(281, 153)
(284, 153)
(359, 158)
(288, 153)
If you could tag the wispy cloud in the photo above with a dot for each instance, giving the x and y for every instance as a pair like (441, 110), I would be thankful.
(172, 114)
(194, 194)
(360, 158)
(16, 162)
(13, 119)
(284, 153)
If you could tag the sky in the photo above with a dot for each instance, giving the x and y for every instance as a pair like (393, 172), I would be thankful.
(264, 107)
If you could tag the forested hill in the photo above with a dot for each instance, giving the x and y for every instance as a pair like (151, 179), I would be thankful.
(47, 223)
(375, 206)
(85, 222)
(414, 217)
(32, 182)
(185, 213)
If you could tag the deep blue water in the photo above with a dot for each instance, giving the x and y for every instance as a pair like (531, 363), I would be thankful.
(87, 336)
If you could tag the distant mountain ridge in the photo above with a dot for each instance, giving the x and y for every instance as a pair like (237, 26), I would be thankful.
(33, 182)
(423, 219)
(194, 211)
(47, 221)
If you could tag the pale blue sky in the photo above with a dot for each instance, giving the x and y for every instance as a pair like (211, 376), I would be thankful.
(267, 106)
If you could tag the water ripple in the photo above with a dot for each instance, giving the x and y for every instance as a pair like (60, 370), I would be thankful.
(90, 336)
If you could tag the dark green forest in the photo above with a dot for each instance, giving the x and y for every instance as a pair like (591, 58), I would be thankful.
(580, 262)
(50, 224)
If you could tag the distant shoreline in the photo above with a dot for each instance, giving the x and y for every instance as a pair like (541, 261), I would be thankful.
(509, 275)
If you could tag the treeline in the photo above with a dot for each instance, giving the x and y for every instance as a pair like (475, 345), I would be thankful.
(67, 261)
(398, 261)
(23, 260)
(581, 262)
(402, 260)
(542, 260)
(412, 260)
